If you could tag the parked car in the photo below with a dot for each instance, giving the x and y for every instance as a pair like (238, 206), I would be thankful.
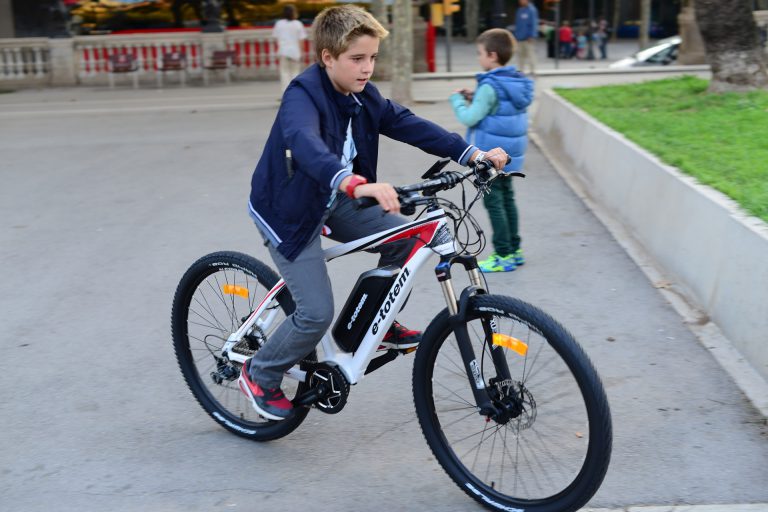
(662, 53)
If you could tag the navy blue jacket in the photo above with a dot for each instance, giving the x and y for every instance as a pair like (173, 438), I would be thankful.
(288, 198)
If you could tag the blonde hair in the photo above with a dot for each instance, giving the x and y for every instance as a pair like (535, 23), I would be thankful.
(336, 28)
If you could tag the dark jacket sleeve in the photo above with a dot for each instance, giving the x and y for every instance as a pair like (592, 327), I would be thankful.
(300, 123)
(399, 123)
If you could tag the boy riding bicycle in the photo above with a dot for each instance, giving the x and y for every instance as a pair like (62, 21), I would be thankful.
(321, 154)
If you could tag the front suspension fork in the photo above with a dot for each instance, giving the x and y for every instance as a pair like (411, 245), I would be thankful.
(458, 321)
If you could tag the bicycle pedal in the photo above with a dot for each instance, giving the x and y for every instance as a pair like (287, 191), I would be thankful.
(408, 350)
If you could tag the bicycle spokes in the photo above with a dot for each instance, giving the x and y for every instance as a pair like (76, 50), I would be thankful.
(535, 443)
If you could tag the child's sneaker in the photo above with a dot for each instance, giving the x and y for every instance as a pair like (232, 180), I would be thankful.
(519, 258)
(497, 263)
(400, 337)
(269, 403)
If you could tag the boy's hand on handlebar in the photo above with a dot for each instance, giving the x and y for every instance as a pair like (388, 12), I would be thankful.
(497, 156)
(384, 193)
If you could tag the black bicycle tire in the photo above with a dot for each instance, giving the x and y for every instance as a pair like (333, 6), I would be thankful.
(597, 459)
(198, 271)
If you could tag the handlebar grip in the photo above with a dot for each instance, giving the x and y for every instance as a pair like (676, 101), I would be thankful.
(486, 164)
(365, 202)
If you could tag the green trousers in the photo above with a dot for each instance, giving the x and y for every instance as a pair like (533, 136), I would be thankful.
(500, 204)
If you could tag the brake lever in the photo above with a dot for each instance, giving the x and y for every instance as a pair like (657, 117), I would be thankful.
(484, 174)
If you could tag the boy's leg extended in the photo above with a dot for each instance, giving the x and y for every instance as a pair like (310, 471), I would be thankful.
(307, 279)
(510, 209)
(530, 55)
(521, 58)
(495, 203)
(347, 223)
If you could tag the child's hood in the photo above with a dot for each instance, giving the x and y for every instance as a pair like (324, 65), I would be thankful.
(508, 81)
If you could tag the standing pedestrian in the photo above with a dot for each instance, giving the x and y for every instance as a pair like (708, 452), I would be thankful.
(565, 36)
(592, 39)
(289, 33)
(526, 31)
(581, 44)
(497, 114)
(550, 34)
(602, 33)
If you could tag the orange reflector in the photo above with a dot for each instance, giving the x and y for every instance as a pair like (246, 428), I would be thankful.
(511, 343)
(233, 289)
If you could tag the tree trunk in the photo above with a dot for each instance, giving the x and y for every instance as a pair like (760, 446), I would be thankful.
(402, 51)
(472, 17)
(645, 22)
(384, 61)
(732, 45)
(616, 18)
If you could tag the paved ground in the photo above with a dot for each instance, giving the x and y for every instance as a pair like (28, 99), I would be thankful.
(107, 197)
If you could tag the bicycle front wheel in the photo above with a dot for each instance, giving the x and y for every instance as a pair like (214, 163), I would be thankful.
(549, 451)
(214, 297)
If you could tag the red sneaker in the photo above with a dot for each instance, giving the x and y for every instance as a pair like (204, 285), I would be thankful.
(269, 403)
(400, 337)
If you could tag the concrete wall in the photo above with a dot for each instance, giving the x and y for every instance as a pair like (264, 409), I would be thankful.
(701, 240)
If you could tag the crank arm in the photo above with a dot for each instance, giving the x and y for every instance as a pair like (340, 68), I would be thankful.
(310, 396)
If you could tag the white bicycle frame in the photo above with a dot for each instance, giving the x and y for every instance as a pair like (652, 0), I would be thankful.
(432, 236)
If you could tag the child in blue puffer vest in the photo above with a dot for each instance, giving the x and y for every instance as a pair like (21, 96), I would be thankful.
(496, 114)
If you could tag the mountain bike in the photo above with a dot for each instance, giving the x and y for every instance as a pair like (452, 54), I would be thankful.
(509, 403)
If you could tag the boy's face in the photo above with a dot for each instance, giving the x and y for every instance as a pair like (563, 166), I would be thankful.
(352, 70)
(487, 60)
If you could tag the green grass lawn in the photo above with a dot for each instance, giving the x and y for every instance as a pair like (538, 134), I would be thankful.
(721, 140)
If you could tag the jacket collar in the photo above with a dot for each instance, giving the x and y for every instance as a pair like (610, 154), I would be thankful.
(316, 82)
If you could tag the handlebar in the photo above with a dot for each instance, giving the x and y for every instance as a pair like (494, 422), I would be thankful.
(409, 196)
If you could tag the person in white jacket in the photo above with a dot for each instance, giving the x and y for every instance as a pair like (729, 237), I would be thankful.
(289, 33)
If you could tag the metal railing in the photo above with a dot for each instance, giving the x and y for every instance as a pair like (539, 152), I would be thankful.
(25, 60)
(28, 60)
(256, 51)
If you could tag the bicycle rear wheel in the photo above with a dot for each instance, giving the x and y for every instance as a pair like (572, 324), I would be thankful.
(214, 297)
(551, 453)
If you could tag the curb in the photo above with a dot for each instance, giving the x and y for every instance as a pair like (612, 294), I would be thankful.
(745, 507)
(573, 72)
(596, 187)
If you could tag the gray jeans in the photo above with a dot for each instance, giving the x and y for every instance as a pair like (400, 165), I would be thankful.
(307, 279)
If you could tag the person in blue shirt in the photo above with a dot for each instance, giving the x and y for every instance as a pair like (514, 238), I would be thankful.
(320, 155)
(526, 31)
(496, 115)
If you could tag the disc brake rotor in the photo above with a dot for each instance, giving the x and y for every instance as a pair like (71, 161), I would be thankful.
(518, 400)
